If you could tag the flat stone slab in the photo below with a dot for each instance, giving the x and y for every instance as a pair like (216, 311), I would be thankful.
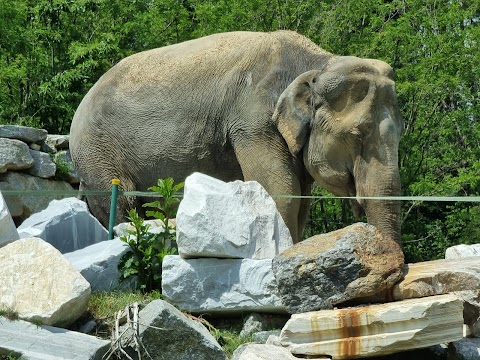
(375, 330)
(34, 342)
(220, 285)
(437, 277)
(23, 133)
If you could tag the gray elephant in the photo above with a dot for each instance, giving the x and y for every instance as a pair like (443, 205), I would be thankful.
(271, 107)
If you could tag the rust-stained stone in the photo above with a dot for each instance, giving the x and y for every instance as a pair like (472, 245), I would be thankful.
(375, 330)
(344, 265)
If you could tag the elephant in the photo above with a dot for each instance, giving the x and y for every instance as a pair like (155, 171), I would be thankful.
(271, 107)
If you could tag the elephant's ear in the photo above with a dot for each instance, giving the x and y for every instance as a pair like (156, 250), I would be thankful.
(295, 110)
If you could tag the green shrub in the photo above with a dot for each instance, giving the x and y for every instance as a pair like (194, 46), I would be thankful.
(147, 250)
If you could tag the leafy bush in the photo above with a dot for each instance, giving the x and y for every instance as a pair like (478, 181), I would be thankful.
(147, 250)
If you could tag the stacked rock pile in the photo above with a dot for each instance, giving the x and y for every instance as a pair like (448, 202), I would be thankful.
(31, 159)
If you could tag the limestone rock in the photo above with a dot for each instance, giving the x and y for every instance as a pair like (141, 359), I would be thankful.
(39, 284)
(168, 334)
(375, 330)
(32, 342)
(33, 204)
(438, 277)
(59, 142)
(220, 285)
(43, 165)
(465, 349)
(98, 264)
(462, 251)
(8, 231)
(14, 155)
(229, 220)
(344, 265)
(251, 351)
(66, 224)
(23, 133)
(261, 337)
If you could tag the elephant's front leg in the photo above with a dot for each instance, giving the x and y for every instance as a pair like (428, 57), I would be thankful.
(271, 165)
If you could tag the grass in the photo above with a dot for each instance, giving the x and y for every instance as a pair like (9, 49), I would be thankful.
(9, 314)
(103, 307)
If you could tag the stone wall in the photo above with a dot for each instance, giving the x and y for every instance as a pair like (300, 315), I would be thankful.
(31, 159)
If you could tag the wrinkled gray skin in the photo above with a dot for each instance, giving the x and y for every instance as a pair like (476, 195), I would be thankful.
(270, 107)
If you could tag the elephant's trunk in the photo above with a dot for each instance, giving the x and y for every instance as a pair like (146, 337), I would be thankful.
(385, 214)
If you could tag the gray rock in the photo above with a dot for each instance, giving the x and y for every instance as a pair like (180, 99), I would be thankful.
(229, 220)
(14, 155)
(66, 224)
(34, 146)
(59, 142)
(329, 269)
(33, 342)
(462, 251)
(261, 337)
(43, 165)
(23, 133)
(168, 334)
(39, 284)
(14, 203)
(253, 323)
(8, 231)
(98, 264)
(220, 285)
(32, 204)
(465, 349)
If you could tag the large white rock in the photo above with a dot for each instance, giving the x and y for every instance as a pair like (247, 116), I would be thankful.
(462, 251)
(43, 166)
(8, 231)
(98, 264)
(375, 330)
(220, 285)
(66, 224)
(39, 284)
(34, 342)
(32, 204)
(229, 220)
(14, 155)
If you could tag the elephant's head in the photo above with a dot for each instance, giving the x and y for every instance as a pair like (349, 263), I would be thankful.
(346, 120)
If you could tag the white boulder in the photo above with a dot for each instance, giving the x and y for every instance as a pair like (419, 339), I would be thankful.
(229, 220)
(66, 224)
(462, 251)
(98, 264)
(39, 284)
(220, 285)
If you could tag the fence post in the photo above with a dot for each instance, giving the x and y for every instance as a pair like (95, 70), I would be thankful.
(113, 207)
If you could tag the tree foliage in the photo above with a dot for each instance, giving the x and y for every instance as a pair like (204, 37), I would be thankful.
(53, 51)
